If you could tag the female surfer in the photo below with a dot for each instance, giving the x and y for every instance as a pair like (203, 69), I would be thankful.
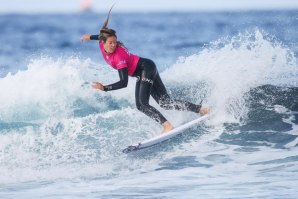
(148, 79)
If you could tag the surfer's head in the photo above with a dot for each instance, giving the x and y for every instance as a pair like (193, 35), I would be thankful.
(109, 42)
(106, 32)
(108, 36)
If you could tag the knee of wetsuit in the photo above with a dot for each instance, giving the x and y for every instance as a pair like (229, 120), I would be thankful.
(138, 105)
(142, 105)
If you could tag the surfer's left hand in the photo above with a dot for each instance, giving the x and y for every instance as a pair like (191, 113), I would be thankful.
(97, 85)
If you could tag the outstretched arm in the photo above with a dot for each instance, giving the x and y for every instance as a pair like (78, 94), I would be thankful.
(122, 83)
(87, 37)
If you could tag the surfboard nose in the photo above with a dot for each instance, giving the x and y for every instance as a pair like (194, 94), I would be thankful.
(130, 149)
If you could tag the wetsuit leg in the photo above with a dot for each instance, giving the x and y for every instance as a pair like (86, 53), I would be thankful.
(146, 74)
(150, 83)
(161, 96)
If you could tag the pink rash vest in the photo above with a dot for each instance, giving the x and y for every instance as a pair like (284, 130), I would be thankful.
(120, 58)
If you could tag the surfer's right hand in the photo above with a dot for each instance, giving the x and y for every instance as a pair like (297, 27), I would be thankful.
(85, 37)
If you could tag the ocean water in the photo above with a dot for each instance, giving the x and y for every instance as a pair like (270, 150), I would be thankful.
(61, 139)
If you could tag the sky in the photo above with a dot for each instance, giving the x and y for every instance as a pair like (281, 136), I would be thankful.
(66, 6)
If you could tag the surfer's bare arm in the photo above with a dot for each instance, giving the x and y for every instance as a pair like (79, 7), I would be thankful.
(88, 37)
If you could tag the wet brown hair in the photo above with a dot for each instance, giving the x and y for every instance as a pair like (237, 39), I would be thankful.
(106, 32)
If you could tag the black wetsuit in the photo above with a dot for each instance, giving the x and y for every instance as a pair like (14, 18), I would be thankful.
(149, 83)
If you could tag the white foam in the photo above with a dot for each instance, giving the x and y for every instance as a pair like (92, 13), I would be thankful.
(231, 67)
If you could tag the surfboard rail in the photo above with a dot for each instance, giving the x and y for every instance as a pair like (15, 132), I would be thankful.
(163, 137)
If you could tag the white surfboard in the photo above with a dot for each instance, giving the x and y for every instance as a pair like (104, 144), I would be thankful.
(165, 136)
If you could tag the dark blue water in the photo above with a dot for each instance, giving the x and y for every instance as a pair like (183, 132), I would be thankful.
(61, 139)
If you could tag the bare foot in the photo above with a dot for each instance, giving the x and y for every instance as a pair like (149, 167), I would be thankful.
(204, 111)
(167, 126)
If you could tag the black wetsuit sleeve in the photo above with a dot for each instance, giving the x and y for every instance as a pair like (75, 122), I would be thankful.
(94, 37)
(123, 74)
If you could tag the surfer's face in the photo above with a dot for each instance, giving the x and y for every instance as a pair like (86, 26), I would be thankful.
(110, 44)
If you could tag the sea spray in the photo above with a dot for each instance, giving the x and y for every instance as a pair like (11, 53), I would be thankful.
(48, 88)
(230, 67)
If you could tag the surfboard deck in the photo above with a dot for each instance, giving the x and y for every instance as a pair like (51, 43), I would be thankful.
(163, 137)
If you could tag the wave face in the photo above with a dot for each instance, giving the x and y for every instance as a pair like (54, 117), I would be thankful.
(56, 131)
